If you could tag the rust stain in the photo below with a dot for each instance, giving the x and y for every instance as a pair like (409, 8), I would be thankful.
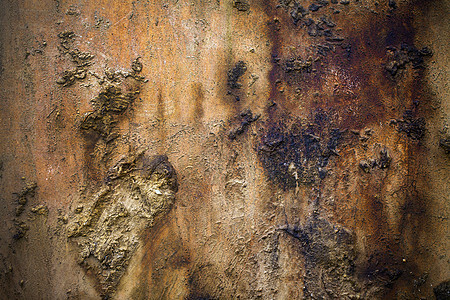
(342, 79)
(198, 99)
(161, 119)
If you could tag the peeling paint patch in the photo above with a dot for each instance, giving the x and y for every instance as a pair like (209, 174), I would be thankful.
(299, 154)
(331, 263)
(108, 228)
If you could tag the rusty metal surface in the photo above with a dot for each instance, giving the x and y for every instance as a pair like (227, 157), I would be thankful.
(175, 149)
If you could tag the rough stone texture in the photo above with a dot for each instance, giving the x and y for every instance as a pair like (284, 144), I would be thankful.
(254, 149)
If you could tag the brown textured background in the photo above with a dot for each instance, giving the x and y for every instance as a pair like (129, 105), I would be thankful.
(243, 225)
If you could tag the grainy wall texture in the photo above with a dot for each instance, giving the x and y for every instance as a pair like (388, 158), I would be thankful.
(224, 149)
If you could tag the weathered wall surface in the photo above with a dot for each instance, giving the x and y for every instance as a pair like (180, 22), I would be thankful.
(177, 149)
